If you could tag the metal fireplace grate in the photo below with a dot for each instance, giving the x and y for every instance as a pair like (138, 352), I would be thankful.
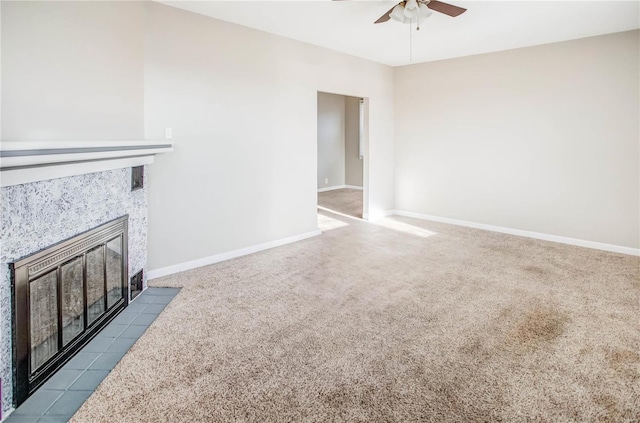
(63, 296)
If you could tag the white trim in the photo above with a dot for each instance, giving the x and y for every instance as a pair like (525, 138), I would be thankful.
(339, 187)
(28, 175)
(331, 188)
(377, 214)
(19, 154)
(528, 234)
(56, 145)
(181, 267)
(54, 159)
(25, 162)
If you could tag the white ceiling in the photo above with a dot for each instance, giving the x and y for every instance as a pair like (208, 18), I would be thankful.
(347, 26)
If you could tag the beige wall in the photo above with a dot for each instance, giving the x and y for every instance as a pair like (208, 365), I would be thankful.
(529, 138)
(543, 139)
(243, 108)
(72, 71)
(331, 140)
(242, 105)
(352, 163)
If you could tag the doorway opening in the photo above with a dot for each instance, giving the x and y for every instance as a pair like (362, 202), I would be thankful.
(342, 155)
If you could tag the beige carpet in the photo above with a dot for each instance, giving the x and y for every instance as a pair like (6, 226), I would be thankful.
(401, 321)
(346, 201)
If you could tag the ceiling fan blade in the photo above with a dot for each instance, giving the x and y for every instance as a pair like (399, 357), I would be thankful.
(386, 16)
(446, 8)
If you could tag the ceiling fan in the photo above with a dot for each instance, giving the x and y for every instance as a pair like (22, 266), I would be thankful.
(415, 12)
(406, 10)
(406, 7)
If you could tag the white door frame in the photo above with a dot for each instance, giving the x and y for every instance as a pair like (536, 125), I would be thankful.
(365, 160)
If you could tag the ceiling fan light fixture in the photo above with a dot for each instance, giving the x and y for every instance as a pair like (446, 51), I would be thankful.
(411, 9)
(411, 4)
(411, 14)
(424, 12)
(414, 8)
(398, 13)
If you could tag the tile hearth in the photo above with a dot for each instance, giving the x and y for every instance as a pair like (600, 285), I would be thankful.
(62, 395)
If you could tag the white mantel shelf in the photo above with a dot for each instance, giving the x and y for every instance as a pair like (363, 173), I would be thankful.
(26, 162)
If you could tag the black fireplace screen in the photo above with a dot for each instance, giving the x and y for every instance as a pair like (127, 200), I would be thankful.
(63, 296)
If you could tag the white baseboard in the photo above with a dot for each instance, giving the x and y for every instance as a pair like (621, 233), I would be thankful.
(339, 187)
(528, 234)
(181, 267)
(331, 188)
(378, 214)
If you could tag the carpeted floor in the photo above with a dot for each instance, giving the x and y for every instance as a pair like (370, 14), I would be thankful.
(404, 320)
(346, 201)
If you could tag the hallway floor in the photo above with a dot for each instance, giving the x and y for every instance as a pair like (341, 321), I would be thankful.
(346, 201)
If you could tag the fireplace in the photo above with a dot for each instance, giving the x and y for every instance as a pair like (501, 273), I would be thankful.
(37, 215)
(52, 191)
(62, 297)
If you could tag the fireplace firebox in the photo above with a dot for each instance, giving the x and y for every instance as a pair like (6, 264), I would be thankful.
(62, 297)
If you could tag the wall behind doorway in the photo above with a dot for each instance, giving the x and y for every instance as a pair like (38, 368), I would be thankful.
(339, 162)
(331, 142)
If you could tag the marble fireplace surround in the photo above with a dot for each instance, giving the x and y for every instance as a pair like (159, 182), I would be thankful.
(51, 194)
